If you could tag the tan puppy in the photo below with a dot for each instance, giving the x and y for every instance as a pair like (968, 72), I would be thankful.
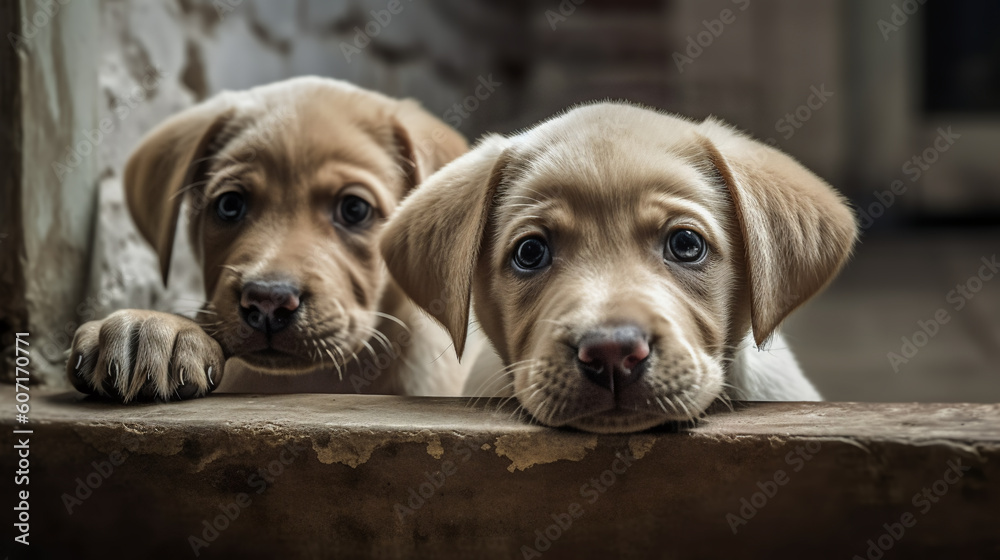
(623, 262)
(287, 187)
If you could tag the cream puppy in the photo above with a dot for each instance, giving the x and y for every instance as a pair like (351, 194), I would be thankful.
(626, 264)
(287, 187)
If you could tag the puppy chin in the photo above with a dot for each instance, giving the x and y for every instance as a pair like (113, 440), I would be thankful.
(620, 422)
(278, 363)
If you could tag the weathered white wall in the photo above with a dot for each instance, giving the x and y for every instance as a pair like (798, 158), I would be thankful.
(60, 165)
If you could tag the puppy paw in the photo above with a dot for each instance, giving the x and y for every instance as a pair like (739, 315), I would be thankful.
(144, 355)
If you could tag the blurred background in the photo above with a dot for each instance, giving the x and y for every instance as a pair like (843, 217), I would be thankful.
(893, 102)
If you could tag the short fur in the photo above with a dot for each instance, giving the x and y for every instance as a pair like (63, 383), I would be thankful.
(605, 184)
(294, 149)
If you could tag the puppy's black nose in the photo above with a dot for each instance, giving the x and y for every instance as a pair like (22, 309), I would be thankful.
(269, 306)
(613, 357)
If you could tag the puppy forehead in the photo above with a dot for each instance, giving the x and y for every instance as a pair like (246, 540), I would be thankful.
(585, 179)
(590, 162)
(612, 143)
(318, 131)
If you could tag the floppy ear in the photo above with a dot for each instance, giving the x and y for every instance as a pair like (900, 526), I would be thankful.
(167, 160)
(427, 143)
(797, 230)
(432, 242)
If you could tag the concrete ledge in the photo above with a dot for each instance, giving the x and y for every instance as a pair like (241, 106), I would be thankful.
(312, 476)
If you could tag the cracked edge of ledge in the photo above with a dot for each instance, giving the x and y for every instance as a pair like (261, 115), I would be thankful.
(524, 449)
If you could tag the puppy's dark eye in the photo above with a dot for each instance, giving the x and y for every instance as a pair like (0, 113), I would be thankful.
(355, 210)
(685, 245)
(531, 254)
(231, 207)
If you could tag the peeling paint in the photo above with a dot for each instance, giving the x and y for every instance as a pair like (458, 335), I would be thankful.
(434, 447)
(638, 446)
(349, 449)
(528, 450)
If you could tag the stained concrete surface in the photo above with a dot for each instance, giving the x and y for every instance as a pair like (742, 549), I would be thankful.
(317, 476)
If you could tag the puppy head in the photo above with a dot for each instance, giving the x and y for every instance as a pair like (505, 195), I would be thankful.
(287, 186)
(618, 255)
